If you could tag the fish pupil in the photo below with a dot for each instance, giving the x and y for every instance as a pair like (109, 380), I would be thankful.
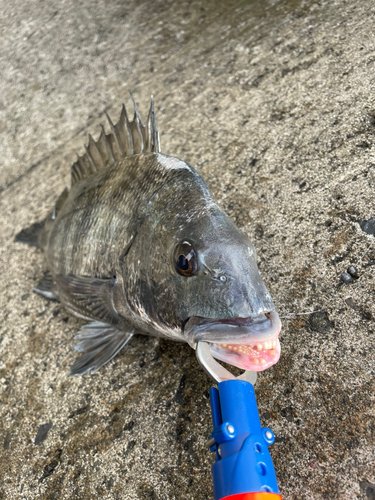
(183, 263)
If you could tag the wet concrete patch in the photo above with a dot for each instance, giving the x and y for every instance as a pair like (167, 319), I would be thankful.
(368, 226)
(41, 435)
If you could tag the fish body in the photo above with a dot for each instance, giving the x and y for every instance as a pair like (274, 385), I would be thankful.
(139, 245)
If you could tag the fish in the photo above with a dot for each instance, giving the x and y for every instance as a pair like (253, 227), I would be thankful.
(138, 245)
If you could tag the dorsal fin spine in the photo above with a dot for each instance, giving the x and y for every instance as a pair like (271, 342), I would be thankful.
(125, 139)
(123, 127)
(148, 129)
(107, 145)
(136, 127)
(88, 154)
(153, 129)
(113, 130)
(95, 153)
(137, 116)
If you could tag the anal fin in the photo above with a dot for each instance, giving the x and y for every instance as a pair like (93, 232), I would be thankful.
(47, 287)
(99, 342)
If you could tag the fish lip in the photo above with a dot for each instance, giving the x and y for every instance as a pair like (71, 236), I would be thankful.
(246, 331)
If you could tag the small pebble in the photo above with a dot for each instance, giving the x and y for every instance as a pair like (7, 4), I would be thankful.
(346, 278)
(353, 272)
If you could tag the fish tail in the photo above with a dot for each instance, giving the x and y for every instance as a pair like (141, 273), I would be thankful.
(35, 235)
(32, 234)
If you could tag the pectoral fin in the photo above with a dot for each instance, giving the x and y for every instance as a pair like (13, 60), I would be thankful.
(100, 343)
(89, 297)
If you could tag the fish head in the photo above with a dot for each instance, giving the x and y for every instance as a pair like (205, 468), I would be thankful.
(204, 276)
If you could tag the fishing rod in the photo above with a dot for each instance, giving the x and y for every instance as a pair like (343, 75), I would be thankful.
(243, 469)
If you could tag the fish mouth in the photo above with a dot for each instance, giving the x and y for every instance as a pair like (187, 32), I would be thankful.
(249, 343)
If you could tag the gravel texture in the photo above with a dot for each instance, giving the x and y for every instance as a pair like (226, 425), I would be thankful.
(274, 104)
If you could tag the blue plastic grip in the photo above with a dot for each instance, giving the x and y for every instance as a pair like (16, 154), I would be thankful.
(243, 462)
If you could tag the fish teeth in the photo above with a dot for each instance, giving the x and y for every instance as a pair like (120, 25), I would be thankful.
(268, 346)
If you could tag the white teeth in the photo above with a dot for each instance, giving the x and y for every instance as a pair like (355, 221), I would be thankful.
(248, 350)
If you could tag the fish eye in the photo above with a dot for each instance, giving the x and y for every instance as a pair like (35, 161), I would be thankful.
(185, 259)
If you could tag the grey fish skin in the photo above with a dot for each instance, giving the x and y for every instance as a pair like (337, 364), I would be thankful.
(110, 246)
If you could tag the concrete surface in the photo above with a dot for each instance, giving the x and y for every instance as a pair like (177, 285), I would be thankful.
(274, 104)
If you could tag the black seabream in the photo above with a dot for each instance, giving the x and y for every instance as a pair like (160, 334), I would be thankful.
(138, 245)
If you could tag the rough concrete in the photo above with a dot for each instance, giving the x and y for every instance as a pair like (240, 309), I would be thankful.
(273, 103)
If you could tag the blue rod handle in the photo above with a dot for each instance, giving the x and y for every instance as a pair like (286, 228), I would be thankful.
(243, 462)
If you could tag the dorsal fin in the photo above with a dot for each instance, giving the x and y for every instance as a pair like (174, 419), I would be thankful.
(126, 138)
